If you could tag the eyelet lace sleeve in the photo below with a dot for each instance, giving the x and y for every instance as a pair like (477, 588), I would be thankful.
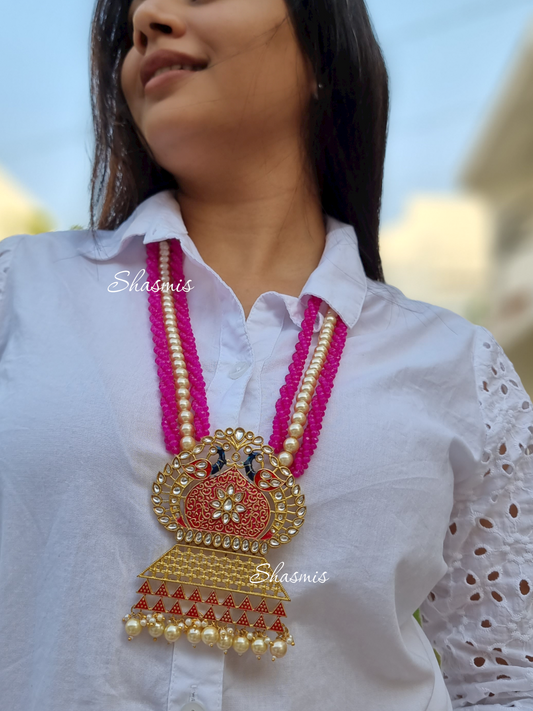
(479, 617)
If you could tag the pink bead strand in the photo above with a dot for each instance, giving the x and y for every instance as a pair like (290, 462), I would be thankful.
(167, 388)
(188, 342)
(320, 400)
(280, 424)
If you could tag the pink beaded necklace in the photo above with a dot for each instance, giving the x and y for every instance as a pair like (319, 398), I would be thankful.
(226, 514)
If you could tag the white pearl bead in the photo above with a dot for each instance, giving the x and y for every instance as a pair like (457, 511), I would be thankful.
(194, 635)
(156, 630)
(259, 646)
(240, 644)
(210, 635)
(291, 445)
(285, 459)
(187, 443)
(133, 627)
(172, 633)
(185, 416)
(278, 648)
(296, 430)
(188, 622)
(183, 382)
(184, 404)
(224, 641)
(299, 418)
(301, 406)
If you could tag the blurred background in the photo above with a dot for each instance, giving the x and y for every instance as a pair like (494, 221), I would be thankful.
(457, 218)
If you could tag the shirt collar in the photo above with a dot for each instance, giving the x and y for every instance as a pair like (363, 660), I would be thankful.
(339, 279)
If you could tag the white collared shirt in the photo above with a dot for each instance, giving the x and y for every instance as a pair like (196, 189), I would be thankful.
(418, 494)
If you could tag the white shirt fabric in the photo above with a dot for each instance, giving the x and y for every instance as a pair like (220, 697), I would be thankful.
(418, 494)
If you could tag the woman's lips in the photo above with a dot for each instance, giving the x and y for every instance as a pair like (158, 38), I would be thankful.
(168, 76)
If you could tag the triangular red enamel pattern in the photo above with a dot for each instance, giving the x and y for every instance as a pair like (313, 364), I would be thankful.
(162, 591)
(195, 597)
(226, 617)
(262, 607)
(277, 626)
(145, 589)
(243, 620)
(260, 623)
(229, 602)
(280, 611)
(159, 607)
(246, 605)
(212, 599)
(179, 594)
(142, 604)
(176, 610)
(193, 612)
(210, 614)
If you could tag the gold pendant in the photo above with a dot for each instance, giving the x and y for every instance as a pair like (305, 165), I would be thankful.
(227, 502)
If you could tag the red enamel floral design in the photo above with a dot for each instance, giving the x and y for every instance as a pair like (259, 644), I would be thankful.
(229, 504)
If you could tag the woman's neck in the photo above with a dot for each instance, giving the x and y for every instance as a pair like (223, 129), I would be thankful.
(269, 238)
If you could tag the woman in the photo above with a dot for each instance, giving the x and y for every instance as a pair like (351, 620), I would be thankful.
(240, 145)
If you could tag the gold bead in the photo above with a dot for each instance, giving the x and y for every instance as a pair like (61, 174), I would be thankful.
(301, 406)
(285, 459)
(184, 404)
(318, 360)
(187, 443)
(187, 430)
(183, 393)
(182, 373)
(178, 362)
(296, 430)
(313, 370)
(307, 388)
(322, 350)
(183, 382)
(291, 445)
(299, 418)
(185, 416)
(310, 379)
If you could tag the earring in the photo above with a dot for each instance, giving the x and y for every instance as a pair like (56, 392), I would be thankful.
(315, 94)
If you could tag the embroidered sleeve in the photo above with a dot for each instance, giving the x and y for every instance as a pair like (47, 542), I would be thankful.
(479, 617)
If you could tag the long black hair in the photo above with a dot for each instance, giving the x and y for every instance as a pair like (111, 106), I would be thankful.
(345, 129)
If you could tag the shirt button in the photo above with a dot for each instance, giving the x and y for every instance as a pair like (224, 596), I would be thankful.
(193, 706)
(238, 370)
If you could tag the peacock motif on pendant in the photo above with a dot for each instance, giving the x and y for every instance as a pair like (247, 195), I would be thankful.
(227, 502)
